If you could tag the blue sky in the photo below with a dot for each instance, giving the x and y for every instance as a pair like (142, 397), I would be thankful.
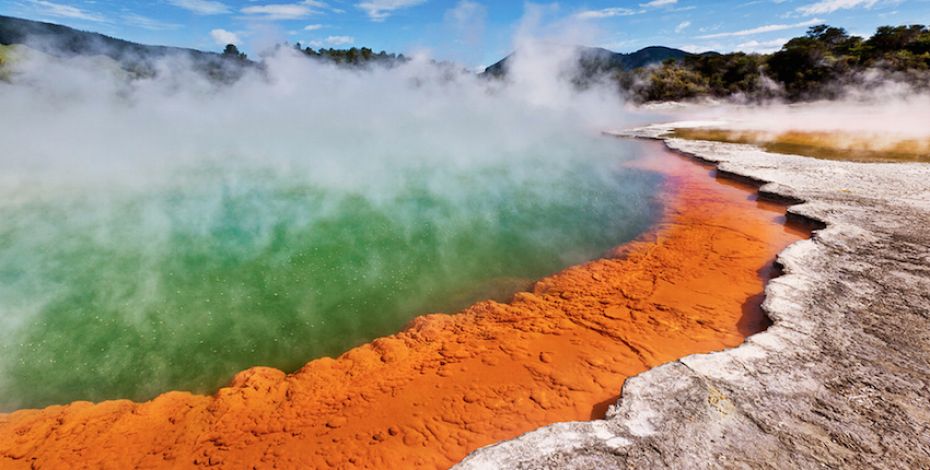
(474, 32)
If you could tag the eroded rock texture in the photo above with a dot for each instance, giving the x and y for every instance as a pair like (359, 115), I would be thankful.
(428, 396)
(841, 380)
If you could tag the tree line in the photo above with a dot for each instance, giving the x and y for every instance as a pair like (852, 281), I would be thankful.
(351, 56)
(817, 65)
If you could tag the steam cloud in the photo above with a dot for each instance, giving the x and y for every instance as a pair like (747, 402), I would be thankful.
(111, 187)
(880, 107)
(114, 191)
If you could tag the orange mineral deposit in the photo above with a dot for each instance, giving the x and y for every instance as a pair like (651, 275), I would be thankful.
(450, 384)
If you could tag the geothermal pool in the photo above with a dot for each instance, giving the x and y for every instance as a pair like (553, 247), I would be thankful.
(449, 384)
(134, 286)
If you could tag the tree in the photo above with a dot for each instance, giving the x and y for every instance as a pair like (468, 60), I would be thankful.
(802, 64)
(894, 38)
(816, 65)
(232, 52)
(828, 34)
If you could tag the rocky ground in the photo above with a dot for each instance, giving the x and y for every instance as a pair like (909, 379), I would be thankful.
(842, 378)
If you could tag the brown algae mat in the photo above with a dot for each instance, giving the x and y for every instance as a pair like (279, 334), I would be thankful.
(449, 384)
(847, 146)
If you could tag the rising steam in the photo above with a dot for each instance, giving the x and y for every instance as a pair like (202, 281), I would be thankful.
(166, 232)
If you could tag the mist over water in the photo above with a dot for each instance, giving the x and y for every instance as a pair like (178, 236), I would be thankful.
(166, 233)
(877, 117)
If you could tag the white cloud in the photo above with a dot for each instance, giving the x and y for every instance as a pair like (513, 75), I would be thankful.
(380, 10)
(616, 45)
(313, 27)
(699, 48)
(145, 22)
(762, 46)
(330, 41)
(223, 37)
(201, 7)
(67, 11)
(340, 40)
(658, 3)
(467, 21)
(682, 26)
(763, 29)
(605, 13)
(466, 12)
(829, 6)
(281, 11)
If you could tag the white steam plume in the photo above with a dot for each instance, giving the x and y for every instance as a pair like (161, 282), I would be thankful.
(112, 187)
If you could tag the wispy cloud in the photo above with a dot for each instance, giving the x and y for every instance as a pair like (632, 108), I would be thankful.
(699, 48)
(605, 13)
(223, 37)
(762, 46)
(682, 26)
(282, 11)
(313, 27)
(829, 6)
(658, 3)
(763, 29)
(201, 7)
(340, 40)
(331, 41)
(467, 21)
(380, 10)
(145, 22)
(66, 11)
(466, 12)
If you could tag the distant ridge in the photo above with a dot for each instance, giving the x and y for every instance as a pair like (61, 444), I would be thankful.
(596, 60)
(55, 38)
(59, 40)
(63, 41)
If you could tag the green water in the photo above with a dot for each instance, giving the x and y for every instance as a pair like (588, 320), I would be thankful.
(126, 291)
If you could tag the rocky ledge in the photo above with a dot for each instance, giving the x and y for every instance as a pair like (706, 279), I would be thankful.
(842, 378)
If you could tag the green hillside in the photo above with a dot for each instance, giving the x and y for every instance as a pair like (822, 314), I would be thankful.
(817, 65)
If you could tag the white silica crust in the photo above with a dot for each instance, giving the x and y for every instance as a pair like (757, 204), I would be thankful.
(841, 379)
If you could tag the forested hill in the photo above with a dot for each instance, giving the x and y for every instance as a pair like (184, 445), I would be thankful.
(819, 65)
(57, 39)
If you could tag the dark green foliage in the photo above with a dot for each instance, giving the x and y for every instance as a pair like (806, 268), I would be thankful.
(353, 56)
(899, 49)
(913, 38)
(813, 66)
(802, 65)
(708, 74)
(807, 66)
(232, 52)
(673, 81)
